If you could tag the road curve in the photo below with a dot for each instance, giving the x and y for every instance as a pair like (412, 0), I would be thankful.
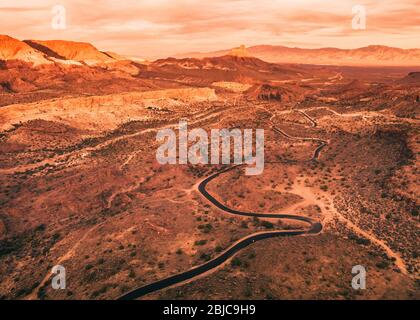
(322, 143)
(314, 227)
(313, 122)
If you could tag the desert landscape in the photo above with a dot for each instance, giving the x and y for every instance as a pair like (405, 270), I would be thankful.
(81, 186)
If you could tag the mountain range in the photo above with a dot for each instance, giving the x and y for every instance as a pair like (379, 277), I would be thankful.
(31, 70)
(71, 52)
(46, 52)
(374, 55)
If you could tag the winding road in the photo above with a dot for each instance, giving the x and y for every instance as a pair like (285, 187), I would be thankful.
(314, 227)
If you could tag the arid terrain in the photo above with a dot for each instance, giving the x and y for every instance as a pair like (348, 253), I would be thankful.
(80, 185)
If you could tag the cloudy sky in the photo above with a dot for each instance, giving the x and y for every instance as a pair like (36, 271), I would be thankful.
(159, 28)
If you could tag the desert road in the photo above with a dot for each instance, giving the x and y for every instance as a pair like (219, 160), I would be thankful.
(314, 228)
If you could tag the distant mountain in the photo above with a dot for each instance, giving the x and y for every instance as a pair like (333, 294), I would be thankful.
(52, 68)
(70, 50)
(239, 52)
(412, 78)
(238, 68)
(13, 49)
(41, 52)
(367, 56)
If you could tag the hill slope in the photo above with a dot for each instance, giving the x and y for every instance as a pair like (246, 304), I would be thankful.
(70, 50)
(13, 49)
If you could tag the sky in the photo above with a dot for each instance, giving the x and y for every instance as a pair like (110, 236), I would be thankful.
(160, 28)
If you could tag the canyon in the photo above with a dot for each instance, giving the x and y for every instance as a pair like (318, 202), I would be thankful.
(80, 185)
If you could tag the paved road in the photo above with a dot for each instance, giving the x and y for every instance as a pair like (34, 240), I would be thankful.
(314, 227)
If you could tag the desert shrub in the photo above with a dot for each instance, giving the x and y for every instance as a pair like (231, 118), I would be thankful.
(267, 224)
(382, 264)
(200, 242)
(56, 236)
(236, 262)
(248, 292)
(205, 256)
(251, 255)
(205, 228)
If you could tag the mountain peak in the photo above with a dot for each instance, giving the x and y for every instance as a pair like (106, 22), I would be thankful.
(70, 50)
(240, 51)
(14, 49)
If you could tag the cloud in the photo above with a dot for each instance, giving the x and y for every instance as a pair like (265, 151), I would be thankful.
(164, 27)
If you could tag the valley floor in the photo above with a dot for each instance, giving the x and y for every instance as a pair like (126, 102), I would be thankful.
(83, 189)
